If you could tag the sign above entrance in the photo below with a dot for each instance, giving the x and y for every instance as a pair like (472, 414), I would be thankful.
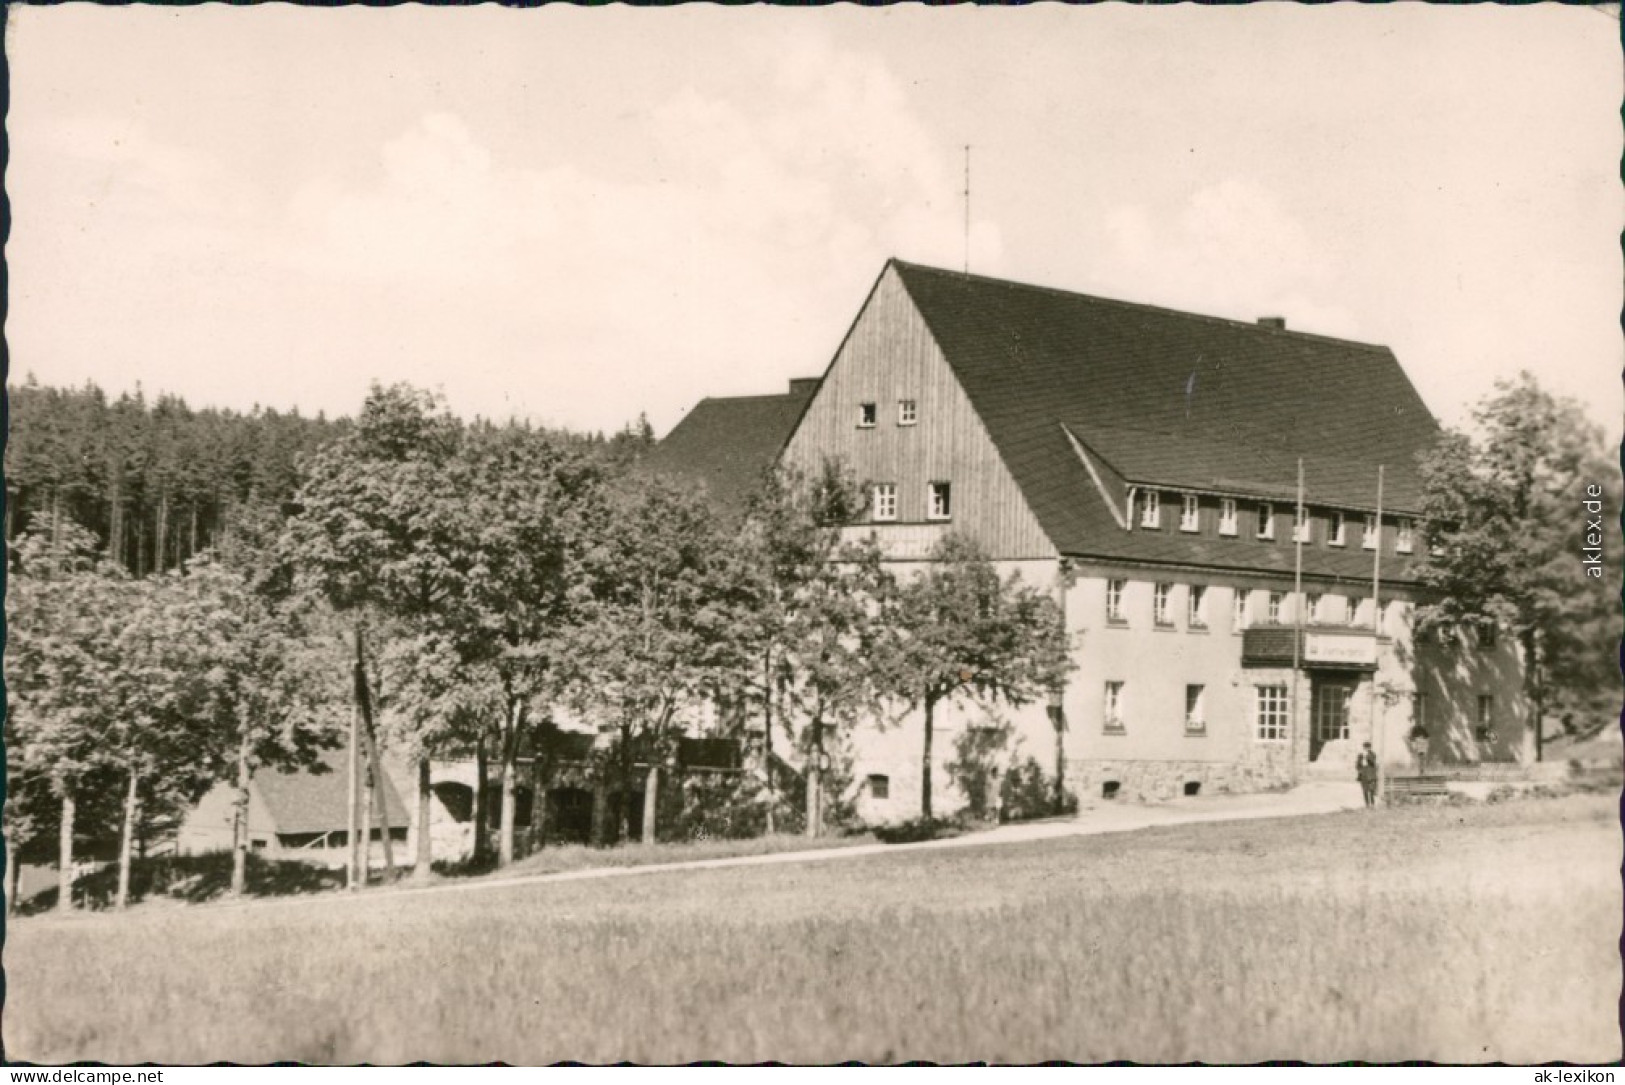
(1340, 650)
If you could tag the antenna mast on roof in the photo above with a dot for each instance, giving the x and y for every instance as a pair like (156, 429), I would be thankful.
(967, 209)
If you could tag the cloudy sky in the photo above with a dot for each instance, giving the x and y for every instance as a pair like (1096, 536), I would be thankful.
(577, 215)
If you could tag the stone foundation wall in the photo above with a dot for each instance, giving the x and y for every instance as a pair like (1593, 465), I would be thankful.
(1159, 781)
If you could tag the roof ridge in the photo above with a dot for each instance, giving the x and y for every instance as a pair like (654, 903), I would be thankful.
(1140, 305)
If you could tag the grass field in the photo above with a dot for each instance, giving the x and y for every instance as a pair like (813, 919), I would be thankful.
(1457, 934)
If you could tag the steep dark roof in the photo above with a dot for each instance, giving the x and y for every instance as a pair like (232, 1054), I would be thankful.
(316, 800)
(728, 444)
(1174, 399)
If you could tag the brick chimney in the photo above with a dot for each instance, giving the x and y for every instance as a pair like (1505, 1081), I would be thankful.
(1276, 322)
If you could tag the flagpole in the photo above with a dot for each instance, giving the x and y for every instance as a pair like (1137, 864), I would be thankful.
(1297, 623)
(1379, 732)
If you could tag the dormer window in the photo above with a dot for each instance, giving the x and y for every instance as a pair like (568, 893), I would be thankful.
(1151, 509)
(1189, 513)
(1337, 533)
(940, 502)
(1266, 521)
(1407, 538)
(1227, 516)
(866, 416)
(908, 412)
(1372, 532)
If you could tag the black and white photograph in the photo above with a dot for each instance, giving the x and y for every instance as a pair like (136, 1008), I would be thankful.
(813, 535)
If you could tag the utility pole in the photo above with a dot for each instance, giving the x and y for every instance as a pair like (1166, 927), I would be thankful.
(1297, 623)
(1376, 631)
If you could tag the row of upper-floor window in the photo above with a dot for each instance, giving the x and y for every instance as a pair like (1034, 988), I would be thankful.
(908, 413)
(1337, 527)
(939, 501)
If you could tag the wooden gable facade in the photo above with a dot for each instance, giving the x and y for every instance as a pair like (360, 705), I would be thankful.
(889, 360)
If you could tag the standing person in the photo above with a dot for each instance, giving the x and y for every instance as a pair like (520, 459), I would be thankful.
(1365, 767)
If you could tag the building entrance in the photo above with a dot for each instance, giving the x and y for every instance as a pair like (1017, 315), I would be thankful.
(1328, 713)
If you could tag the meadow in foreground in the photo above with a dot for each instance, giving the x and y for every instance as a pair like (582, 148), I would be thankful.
(1451, 933)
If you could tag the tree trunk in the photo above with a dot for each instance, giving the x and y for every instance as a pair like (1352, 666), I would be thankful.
(161, 533)
(540, 771)
(1535, 685)
(13, 875)
(354, 824)
(510, 749)
(626, 786)
(600, 813)
(131, 801)
(925, 758)
(481, 814)
(192, 550)
(1060, 760)
(64, 858)
(767, 738)
(425, 858)
(651, 801)
(815, 783)
(239, 824)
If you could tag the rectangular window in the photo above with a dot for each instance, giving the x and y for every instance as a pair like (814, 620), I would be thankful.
(1315, 611)
(1195, 712)
(1196, 607)
(908, 412)
(1266, 521)
(880, 787)
(1190, 514)
(1337, 533)
(941, 505)
(1227, 516)
(886, 501)
(1114, 708)
(866, 416)
(1300, 525)
(1369, 540)
(1270, 713)
(1272, 613)
(1238, 610)
(1486, 717)
(1114, 600)
(1159, 604)
(1351, 611)
(1151, 509)
(1406, 541)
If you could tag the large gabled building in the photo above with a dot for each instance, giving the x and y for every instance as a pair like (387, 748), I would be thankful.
(1143, 464)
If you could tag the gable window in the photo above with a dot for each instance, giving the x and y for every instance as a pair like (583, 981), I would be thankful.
(886, 501)
(1272, 612)
(1338, 532)
(1406, 539)
(1486, 717)
(1227, 516)
(1368, 541)
(1196, 607)
(1159, 604)
(880, 787)
(1195, 712)
(1266, 521)
(1300, 525)
(940, 505)
(866, 416)
(1114, 600)
(1113, 718)
(908, 412)
(1189, 514)
(1151, 509)
(1270, 713)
